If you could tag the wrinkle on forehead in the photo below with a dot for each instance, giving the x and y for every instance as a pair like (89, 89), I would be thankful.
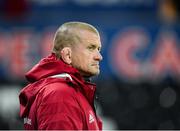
(88, 35)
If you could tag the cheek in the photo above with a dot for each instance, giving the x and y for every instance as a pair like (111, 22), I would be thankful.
(79, 60)
(84, 62)
(82, 59)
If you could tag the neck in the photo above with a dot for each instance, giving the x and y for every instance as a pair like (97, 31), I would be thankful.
(87, 79)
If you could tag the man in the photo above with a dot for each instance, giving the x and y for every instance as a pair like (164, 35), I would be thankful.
(59, 95)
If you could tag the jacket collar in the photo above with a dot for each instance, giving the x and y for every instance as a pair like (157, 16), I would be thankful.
(53, 67)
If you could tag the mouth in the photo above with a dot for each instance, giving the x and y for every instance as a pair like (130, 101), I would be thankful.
(96, 65)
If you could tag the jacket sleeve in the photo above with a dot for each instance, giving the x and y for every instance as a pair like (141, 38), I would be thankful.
(59, 110)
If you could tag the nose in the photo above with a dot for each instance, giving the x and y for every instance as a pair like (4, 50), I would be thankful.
(98, 56)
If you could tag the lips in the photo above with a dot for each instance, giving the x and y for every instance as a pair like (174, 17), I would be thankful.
(96, 65)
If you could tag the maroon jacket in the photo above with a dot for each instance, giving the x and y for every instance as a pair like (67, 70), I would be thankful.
(58, 98)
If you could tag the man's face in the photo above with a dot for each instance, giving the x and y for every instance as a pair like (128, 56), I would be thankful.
(86, 54)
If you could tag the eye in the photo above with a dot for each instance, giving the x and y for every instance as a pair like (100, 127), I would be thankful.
(99, 49)
(92, 47)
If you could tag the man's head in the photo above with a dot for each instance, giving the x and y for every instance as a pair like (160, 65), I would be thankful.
(78, 44)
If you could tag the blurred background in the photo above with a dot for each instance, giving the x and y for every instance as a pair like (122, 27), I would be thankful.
(139, 86)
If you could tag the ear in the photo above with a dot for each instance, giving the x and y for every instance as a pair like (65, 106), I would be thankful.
(66, 55)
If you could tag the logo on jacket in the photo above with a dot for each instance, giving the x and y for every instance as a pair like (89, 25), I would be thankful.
(27, 121)
(91, 117)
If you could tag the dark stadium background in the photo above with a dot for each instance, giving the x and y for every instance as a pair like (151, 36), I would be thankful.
(138, 87)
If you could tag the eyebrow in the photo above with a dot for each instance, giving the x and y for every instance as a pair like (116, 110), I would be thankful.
(94, 46)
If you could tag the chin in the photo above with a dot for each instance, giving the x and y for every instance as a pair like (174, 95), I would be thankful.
(96, 73)
(91, 73)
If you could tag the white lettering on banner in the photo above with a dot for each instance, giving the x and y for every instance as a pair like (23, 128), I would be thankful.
(123, 53)
(22, 46)
(163, 60)
(28, 47)
(166, 56)
(19, 50)
(47, 42)
(2, 47)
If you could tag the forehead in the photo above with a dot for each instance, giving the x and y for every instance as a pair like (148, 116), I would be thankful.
(89, 37)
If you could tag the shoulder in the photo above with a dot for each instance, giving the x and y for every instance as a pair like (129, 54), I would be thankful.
(58, 90)
(58, 103)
